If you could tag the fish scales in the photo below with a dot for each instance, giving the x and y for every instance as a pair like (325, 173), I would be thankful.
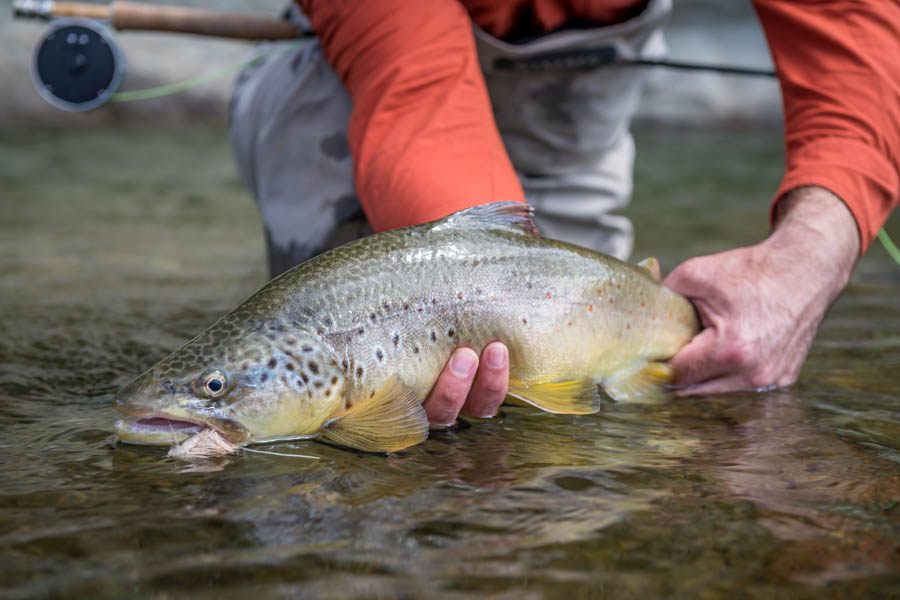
(388, 310)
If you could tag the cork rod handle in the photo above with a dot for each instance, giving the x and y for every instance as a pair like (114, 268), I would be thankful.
(134, 15)
(152, 17)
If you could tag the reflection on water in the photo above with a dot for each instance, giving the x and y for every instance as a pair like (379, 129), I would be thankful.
(784, 494)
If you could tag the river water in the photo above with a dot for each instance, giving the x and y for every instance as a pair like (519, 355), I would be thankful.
(118, 245)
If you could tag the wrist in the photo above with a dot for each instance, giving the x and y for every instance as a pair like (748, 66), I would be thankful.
(816, 229)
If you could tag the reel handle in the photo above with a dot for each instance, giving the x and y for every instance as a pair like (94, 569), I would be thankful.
(151, 17)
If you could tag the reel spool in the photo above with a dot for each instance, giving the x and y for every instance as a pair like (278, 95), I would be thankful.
(77, 64)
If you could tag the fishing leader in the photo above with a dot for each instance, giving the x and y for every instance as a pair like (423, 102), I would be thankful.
(403, 112)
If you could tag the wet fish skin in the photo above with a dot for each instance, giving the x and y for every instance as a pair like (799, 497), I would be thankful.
(382, 315)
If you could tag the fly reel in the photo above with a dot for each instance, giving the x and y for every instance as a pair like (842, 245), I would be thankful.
(77, 64)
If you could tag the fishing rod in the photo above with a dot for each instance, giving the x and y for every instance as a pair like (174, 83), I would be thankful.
(78, 64)
(587, 59)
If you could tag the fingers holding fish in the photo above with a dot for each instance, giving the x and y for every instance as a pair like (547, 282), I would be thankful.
(761, 305)
(451, 389)
(491, 383)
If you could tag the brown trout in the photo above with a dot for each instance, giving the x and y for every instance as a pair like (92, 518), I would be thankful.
(345, 346)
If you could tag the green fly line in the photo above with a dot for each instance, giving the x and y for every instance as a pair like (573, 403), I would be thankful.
(182, 86)
(889, 245)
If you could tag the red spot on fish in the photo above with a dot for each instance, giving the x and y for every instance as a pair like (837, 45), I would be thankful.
(611, 301)
(591, 308)
(570, 323)
(599, 292)
(643, 304)
(548, 295)
(627, 325)
(459, 295)
(670, 315)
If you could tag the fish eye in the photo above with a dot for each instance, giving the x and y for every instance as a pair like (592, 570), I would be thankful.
(214, 383)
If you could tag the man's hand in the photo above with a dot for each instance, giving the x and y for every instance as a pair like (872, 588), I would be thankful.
(468, 387)
(760, 306)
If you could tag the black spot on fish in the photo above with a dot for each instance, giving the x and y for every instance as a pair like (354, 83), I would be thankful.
(289, 366)
(307, 348)
(264, 377)
(524, 321)
(379, 354)
(450, 332)
(386, 306)
(272, 363)
(344, 364)
(320, 331)
(318, 384)
(305, 377)
(299, 381)
(528, 284)
(373, 317)
(271, 337)
(361, 331)
(328, 321)
(433, 336)
(359, 372)
(334, 379)
(327, 393)
(313, 366)
(290, 341)
(406, 306)
(415, 349)
(396, 339)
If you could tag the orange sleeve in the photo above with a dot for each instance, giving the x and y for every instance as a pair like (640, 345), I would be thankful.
(422, 133)
(838, 62)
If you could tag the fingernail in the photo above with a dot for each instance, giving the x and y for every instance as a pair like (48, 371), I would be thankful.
(496, 356)
(463, 362)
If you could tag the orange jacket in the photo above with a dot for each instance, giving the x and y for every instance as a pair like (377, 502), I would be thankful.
(424, 140)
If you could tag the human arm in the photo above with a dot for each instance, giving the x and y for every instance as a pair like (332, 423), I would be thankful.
(761, 305)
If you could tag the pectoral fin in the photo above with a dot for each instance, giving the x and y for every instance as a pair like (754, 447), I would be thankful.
(651, 265)
(391, 420)
(574, 397)
(642, 383)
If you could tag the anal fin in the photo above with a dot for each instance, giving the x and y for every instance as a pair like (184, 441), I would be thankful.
(642, 382)
(573, 397)
(391, 420)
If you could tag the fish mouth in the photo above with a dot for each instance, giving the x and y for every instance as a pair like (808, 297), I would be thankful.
(165, 430)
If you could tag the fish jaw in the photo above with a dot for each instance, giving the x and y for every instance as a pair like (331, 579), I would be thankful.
(161, 429)
(155, 431)
(172, 423)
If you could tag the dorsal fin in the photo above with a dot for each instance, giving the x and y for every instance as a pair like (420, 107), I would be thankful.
(508, 216)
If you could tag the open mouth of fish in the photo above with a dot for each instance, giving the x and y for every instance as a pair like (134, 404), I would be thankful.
(162, 430)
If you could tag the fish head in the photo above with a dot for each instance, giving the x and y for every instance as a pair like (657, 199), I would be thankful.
(249, 384)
